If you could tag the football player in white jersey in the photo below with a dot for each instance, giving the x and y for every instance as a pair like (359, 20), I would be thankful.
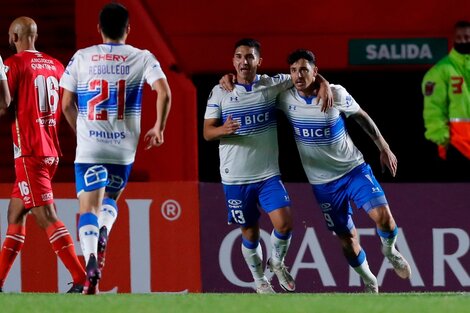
(243, 118)
(244, 121)
(106, 81)
(336, 168)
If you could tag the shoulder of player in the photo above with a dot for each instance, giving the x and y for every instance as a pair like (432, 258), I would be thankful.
(338, 91)
(288, 93)
(217, 93)
(275, 78)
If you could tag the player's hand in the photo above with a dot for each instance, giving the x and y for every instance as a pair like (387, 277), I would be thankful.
(227, 82)
(153, 138)
(326, 95)
(388, 160)
(230, 126)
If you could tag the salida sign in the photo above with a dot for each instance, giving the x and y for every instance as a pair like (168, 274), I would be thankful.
(397, 51)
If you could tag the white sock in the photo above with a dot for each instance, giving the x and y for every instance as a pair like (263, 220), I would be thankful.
(364, 271)
(254, 260)
(388, 246)
(108, 214)
(279, 247)
(88, 233)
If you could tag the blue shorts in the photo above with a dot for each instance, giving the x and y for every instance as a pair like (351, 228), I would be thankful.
(243, 200)
(359, 186)
(89, 176)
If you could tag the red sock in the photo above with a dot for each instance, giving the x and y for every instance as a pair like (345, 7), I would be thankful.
(11, 247)
(62, 244)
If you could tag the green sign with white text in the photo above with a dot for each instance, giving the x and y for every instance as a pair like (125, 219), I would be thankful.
(397, 51)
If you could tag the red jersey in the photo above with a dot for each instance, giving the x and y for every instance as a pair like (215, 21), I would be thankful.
(33, 79)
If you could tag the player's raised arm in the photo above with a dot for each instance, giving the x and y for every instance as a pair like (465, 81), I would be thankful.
(154, 137)
(387, 158)
(69, 108)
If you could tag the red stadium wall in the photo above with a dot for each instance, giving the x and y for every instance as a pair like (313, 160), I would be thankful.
(202, 33)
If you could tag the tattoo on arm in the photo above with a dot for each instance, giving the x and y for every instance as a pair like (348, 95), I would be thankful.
(368, 125)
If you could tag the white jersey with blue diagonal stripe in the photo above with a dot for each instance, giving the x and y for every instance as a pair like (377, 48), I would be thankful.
(108, 80)
(325, 147)
(251, 154)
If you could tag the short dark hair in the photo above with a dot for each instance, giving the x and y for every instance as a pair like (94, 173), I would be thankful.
(114, 19)
(301, 54)
(249, 42)
(462, 24)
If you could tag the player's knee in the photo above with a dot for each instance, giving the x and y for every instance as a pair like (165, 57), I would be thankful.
(44, 215)
(284, 228)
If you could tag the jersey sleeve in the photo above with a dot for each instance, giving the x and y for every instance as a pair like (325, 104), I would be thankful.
(435, 112)
(343, 101)
(282, 81)
(152, 69)
(69, 78)
(12, 70)
(214, 103)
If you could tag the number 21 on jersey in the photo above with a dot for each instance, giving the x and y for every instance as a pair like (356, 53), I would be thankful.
(105, 97)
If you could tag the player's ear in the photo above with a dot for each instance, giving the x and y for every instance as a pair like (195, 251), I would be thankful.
(98, 28)
(128, 29)
(260, 61)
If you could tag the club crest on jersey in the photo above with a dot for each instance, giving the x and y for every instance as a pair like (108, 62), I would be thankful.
(429, 88)
(348, 100)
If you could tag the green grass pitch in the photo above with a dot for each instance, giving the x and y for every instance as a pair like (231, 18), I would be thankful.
(237, 303)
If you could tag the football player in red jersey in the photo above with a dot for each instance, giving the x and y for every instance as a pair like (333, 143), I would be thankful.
(33, 81)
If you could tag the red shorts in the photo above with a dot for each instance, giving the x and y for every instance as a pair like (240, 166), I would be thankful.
(33, 180)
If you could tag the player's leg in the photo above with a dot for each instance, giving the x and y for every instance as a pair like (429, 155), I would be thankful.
(15, 237)
(367, 193)
(388, 232)
(253, 255)
(40, 172)
(61, 242)
(357, 259)
(118, 176)
(241, 202)
(333, 200)
(275, 201)
(91, 180)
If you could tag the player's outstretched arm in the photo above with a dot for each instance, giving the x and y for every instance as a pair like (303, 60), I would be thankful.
(69, 108)
(154, 137)
(387, 158)
(5, 97)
